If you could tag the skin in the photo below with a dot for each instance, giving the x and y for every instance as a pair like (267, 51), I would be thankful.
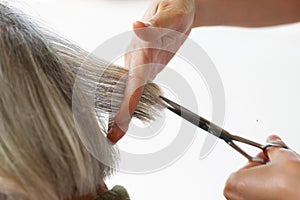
(276, 180)
(279, 179)
(182, 16)
(140, 62)
(248, 13)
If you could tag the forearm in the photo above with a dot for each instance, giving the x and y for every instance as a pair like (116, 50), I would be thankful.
(246, 13)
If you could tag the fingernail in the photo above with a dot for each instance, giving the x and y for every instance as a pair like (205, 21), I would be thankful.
(146, 23)
(115, 134)
(273, 138)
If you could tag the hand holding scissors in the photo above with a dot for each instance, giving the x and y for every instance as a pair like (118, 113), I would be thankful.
(273, 174)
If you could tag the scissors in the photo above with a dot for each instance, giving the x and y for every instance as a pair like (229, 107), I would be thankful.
(219, 132)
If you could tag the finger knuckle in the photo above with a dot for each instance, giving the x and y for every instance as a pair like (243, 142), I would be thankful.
(178, 11)
(165, 4)
(227, 189)
(233, 186)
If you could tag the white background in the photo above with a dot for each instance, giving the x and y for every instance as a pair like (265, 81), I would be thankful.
(260, 73)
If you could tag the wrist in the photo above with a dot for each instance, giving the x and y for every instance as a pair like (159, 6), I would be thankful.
(201, 17)
(196, 22)
(206, 13)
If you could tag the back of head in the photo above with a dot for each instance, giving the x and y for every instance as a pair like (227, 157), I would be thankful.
(41, 154)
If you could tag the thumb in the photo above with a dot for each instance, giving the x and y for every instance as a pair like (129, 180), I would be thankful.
(278, 154)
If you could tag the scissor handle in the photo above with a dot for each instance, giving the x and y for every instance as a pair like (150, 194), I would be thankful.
(245, 154)
(275, 145)
(268, 145)
(250, 158)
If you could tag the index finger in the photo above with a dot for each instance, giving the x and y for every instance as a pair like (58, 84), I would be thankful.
(138, 59)
(133, 92)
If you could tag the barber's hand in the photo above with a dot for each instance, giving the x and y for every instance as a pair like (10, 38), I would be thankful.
(278, 179)
(147, 54)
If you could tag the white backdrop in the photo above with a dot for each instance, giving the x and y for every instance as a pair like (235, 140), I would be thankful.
(260, 71)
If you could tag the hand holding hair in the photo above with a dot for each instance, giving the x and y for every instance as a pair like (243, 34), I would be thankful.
(278, 179)
(163, 30)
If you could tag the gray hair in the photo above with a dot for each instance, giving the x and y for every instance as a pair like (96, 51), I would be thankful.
(41, 154)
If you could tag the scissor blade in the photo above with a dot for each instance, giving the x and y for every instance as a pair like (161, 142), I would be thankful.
(197, 120)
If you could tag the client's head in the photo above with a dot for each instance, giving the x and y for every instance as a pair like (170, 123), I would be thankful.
(41, 154)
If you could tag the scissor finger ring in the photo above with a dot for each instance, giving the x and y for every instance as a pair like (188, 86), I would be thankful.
(279, 145)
